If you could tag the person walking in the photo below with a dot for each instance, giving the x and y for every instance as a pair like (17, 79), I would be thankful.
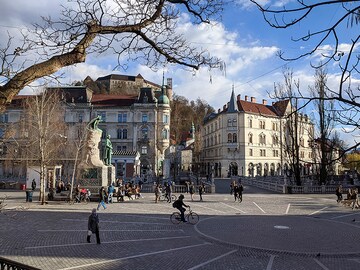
(93, 226)
(201, 191)
(102, 197)
(157, 192)
(33, 184)
(192, 191)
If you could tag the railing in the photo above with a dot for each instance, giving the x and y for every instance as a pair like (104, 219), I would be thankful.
(6, 264)
(281, 188)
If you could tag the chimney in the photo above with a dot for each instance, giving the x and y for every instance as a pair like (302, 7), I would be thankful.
(246, 98)
(238, 97)
(224, 107)
(253, 100)
(264, 102)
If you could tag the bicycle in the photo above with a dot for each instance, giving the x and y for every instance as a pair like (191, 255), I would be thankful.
(191, 217)
(163, 197)
(83, 197)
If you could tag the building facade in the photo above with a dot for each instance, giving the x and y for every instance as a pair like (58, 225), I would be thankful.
(138, 124)
(246, 138)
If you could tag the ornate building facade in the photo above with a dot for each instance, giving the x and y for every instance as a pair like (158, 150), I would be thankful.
(138, 124)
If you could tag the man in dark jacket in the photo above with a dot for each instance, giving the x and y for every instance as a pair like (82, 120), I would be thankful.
(93, 226)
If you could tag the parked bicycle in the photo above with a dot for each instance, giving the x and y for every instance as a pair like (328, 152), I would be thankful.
(190, 216)
(82, 197)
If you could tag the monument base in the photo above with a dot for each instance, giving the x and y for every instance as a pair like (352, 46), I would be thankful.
(95, 177)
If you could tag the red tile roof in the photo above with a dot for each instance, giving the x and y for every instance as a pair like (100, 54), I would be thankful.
(113, 100)
(251, 107)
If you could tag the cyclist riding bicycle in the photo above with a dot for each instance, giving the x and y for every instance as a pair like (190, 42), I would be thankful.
(178, 204)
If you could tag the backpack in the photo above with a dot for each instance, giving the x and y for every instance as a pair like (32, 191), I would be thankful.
(175, 204)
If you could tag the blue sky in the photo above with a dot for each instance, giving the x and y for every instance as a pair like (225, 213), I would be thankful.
(242, 39)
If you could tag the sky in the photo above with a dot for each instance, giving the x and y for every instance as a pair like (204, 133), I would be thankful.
(242, 39)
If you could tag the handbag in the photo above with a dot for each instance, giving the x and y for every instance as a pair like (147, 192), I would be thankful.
(89, 233)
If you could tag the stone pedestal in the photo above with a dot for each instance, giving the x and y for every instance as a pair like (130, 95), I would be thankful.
(92, 173)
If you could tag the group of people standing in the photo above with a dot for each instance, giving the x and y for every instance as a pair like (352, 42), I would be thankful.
(236, 189)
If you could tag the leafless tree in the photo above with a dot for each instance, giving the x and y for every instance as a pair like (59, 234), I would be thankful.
(324, 144)
(143, 31)
(43, 116)
(292, 126)
(336, 42)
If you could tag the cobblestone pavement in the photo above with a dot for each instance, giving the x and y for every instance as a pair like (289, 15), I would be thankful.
(265, 231)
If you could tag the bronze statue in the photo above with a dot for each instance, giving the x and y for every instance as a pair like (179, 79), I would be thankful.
(108, 151)
(93, 124)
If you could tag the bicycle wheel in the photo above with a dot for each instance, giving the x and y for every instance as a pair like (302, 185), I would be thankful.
(163, 197)
(175, 218)
(173, 197)
(193, 218)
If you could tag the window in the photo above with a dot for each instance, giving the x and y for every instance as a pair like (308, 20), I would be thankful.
(262, 152)
(102, 115)
(234, 123)
(119, 133)
(144, 117)
(229, 122)
(166, 118)
(4, 118)
(262, 138)
(302, 154)
(124, 133)
(229, 138)
(80, 117)
(250, 123)
(1, 132)
(143, 150)
(250, 152)
(165, 134)
(275, 153)
(250, 138)
(234, 138)
(122, 117)
(144, 132)
(262, 124)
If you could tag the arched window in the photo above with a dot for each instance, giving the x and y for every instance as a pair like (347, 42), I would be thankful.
(262, 138)
(229, 138)
(250, 123)
(250, 138)
(234, 123)
(234, 138)
(119, 133)
(124, 133)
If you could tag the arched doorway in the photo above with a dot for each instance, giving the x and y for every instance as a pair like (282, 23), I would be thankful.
(251, 169)
(233, 169)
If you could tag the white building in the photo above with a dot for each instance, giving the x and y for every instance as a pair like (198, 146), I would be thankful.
(248, 139)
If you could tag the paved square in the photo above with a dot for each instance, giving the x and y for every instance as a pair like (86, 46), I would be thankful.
(265, 231)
